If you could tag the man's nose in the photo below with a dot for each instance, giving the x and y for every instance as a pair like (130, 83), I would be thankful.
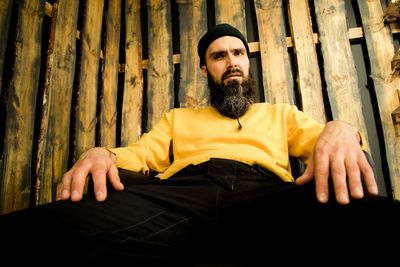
(231, 61)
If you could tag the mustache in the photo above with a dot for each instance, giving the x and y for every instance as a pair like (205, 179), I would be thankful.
(231, 71)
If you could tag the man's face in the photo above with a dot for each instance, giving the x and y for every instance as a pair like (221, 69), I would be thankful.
(226, 60)
(228, 72)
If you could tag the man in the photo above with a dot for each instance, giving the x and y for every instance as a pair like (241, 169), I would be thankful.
(228, 193)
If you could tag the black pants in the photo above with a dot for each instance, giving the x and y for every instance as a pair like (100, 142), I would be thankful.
(220, 211)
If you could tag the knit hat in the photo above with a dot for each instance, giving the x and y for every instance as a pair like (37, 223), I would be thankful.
(215, 33)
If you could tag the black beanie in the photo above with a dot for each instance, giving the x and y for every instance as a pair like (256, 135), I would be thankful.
(215, 33)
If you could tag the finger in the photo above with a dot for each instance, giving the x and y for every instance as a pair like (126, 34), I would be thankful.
(354, 178)
(78, 183)
(368, 175)
(338, 173)
(65, 187)
(321, 173)
(59, 190)
(308, 174)
(114, 179)
(100, 184)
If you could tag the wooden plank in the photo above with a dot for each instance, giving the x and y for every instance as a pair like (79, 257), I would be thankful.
(88, 82)
(231, 12)
(160, 72)
(309, 79)
(108, 125)
(354, 35)
(339, 67)
(53, 147)
(276, 69)
(133, 88)
(381, 51)
(193, 91)
(5, 16)
(16, 169)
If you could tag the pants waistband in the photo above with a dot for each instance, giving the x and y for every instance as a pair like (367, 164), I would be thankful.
(227, 168)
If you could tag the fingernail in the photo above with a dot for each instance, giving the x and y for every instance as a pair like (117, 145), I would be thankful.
(99, 195)
(75, 194)
(322, 197)
(358, 192)
(342, 197)
(64, 194)
(374, 190)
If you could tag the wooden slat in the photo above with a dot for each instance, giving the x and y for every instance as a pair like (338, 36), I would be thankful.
(193, 91)
(309, 79)
(339, 67)
(276, 69)
(88, 82)
(110, 67)
(53, 149)
(231, 12)
(160, 73)
(354, 35)
(5, 16)
(16, 169)
(381, 51)
(133, 87)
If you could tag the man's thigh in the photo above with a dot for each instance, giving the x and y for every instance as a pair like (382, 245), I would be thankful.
(153, 222)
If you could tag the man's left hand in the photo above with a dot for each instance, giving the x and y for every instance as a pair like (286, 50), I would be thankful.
(338, 155)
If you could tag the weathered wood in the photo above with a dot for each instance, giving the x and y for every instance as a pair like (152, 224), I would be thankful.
(339, 67)
(309, 79)
(160, 72)
(133, 88)
(88, 82)
(5, 16)
(53, 147)
(231, 12)
(16, 170)
(108, 125)
(354, 35)
(193, 92)
(276, 70)
(381, 51)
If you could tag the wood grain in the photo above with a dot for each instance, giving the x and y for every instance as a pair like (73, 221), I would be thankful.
(16, 165)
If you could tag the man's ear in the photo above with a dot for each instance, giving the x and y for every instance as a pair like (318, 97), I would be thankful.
(204, 71)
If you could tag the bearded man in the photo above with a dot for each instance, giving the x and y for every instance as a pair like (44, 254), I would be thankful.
(226, 191)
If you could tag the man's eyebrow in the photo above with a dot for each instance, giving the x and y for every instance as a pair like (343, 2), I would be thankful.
(223, 52)
(217, 53)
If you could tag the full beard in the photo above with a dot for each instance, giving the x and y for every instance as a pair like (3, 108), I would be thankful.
(234, 98)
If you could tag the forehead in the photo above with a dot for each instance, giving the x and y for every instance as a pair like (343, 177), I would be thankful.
(225, 43)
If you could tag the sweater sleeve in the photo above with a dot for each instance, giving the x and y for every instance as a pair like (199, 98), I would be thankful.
(302, 132)
(151, 152)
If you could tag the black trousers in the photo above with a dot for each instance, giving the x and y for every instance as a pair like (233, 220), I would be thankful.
(221, 211)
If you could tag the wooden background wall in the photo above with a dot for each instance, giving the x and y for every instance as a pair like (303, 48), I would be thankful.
(75, 74)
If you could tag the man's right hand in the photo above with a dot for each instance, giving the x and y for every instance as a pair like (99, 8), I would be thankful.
(96, 161)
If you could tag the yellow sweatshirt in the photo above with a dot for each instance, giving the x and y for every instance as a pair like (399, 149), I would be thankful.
(269, 135)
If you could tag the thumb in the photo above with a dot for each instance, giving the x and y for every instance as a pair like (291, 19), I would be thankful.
(308, 174)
